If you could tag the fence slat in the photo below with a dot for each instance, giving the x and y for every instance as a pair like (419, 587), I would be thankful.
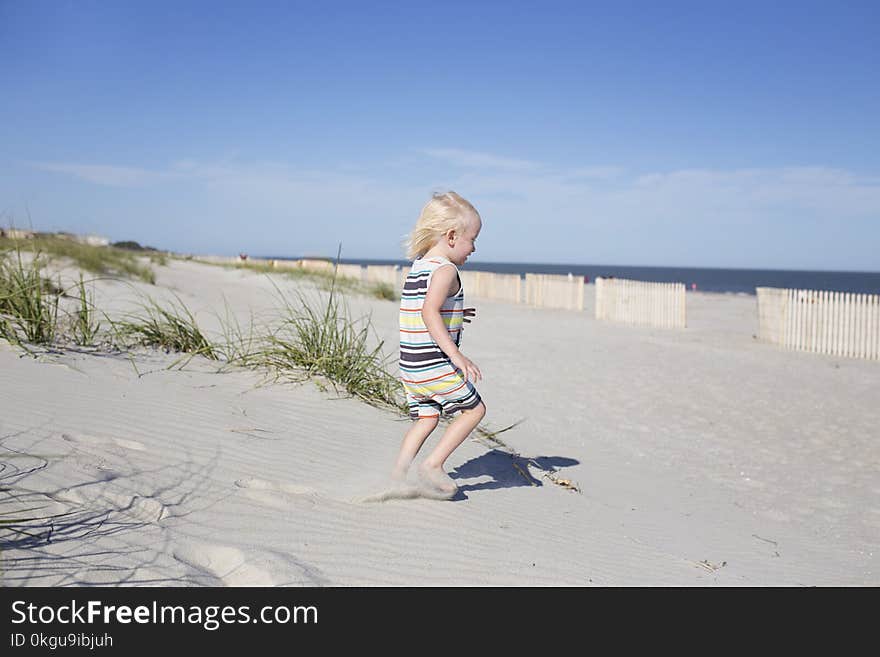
(860, 329)
(874, 328)
(848, 324)
(820, 321)
(823, 300)
(555, 291)
(840, 341)
(640, 303)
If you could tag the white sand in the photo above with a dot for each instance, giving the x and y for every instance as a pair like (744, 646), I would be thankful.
(703, 457)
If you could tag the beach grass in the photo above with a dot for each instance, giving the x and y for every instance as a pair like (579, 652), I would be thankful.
(309, 337)
(384, 291)
(28, 301)
(239, 346)
(156, 256)
(325, 279)
(173, 328)
(323, 339)
(105, 260)
(84, 327)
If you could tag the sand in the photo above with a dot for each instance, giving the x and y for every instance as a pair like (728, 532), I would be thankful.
(702, 457)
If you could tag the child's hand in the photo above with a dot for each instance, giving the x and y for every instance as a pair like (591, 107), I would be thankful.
(468, 367)
(469, 312)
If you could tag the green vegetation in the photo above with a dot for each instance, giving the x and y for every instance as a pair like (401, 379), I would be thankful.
(155, 256)
(159, 259)
(131, 245)
(327, 341)
(325, 280)
(173, 329)
(237, 347)
(28, 302)
(384, 291)
(105, 260)
(310, 338)
(84, 327)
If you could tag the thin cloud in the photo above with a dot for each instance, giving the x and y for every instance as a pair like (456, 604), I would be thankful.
(473, 159)
(596, 173)
(109, 175)
(779, 216)
(517, 180)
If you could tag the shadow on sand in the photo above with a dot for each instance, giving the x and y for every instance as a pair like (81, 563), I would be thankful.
(506, 471)
(92, 541)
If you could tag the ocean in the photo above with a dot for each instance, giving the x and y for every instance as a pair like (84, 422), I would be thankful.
(742, 281)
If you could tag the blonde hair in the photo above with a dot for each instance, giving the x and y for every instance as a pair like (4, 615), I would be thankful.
(443, 212)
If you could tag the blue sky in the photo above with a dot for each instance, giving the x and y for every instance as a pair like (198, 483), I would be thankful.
(631, 133)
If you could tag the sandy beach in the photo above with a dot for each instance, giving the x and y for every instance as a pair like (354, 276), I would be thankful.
(702, 457)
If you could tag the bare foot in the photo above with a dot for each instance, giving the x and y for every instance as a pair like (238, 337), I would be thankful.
(438, 479)
(398, 475)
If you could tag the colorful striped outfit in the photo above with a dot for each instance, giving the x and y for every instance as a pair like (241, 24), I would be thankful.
(432, 383)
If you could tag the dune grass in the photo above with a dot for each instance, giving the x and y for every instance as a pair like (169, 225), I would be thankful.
(105, 260)
(239, 346)
(308, 338)
(30, 308)
(156, 256)
(384, 291)
(84, 327)
(173, 328)
(28, 301)
(29, 314)
(325, 340)
(324, 279)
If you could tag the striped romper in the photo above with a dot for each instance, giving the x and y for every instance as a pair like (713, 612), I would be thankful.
(432, 383)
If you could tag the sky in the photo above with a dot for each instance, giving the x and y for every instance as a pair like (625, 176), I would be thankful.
(703, 134)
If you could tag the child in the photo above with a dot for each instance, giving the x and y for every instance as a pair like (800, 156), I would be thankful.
(436, 376)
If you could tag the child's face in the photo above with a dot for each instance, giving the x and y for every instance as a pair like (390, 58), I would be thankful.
(463, 240)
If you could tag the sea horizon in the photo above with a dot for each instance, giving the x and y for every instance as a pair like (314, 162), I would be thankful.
(735, 280)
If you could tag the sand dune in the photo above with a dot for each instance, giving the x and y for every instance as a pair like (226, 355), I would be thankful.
(702, 456)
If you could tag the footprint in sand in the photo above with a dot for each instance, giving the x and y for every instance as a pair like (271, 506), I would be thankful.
(141, 508)
(284, 495)
(258, 567)
(277, 495)
(101, 441)
(401, 490)
(225, 563)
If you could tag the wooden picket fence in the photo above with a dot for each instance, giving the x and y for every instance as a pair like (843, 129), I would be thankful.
(351, 271)
(543, 290)
(835, 323)
(555, 291)
(641, 303)
(389, 274)
(489, 285)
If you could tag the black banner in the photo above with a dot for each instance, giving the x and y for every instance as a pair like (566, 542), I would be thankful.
(110, 620)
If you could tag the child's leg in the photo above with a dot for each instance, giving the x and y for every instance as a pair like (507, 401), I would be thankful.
(455, 433)
(412, 442)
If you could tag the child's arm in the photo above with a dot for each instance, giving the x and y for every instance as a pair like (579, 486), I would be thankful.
(441, 281)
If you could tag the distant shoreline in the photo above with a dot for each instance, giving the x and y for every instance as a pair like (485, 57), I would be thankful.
(700, 279)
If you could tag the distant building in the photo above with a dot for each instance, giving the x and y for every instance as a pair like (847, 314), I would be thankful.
(16, 234)
(91, 240)
(314, 264)
(94, 240)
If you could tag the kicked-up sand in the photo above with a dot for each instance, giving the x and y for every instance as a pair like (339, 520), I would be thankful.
(638, 457)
